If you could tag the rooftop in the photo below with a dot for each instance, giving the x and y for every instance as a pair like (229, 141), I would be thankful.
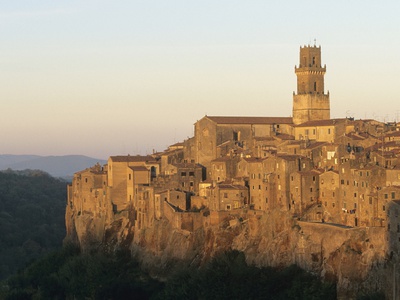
(250, 120)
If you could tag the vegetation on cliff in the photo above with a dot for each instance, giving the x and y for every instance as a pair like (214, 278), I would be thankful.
(32, 217)
(67, 274)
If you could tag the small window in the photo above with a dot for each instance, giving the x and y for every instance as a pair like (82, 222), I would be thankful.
(183, 174)
(191, 173)
(225, 195)
(393, 195)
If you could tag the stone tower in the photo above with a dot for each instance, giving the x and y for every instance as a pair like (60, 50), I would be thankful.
(310, 103)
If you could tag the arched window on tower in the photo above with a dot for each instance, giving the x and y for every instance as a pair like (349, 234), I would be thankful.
(315, 86)
(313, 60)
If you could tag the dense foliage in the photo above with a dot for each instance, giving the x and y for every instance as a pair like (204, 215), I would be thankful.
(67, 274)
(228, 276)
(32, 217)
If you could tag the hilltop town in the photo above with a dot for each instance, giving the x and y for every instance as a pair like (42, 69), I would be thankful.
(316, 175)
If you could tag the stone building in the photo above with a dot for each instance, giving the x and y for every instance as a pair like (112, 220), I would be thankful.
(211, 132)
(342, 170)
(310, 103)
(227, 197)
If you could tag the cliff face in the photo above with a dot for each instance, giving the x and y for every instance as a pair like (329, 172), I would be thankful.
(355, 258)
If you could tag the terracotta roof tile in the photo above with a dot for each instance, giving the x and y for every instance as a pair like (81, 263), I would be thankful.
(134, 158)
(329, 122)
(250, 120)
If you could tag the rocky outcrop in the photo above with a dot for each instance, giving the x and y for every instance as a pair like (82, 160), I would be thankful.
(355, 258)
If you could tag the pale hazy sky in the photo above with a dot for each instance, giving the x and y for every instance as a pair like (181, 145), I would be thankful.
(103, 78)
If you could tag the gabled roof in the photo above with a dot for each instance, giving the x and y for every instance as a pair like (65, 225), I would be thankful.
(315, 145)
(290, 156)
(139, 168)
(250, 120)
(134, 158)
(231, 187)
(330, 122)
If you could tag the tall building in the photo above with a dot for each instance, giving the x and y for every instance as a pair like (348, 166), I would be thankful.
(310, 103)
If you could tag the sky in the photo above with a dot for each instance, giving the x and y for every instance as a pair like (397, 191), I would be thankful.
(102, 78)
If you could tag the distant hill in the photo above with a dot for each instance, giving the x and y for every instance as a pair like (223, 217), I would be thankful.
(57, 166)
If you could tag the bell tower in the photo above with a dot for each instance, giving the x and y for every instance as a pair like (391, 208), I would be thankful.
(310, 103)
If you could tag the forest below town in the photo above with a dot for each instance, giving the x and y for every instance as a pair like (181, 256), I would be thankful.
(35, 265)
(32, 217)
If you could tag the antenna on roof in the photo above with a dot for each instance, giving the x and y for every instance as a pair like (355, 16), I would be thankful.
(315, 42)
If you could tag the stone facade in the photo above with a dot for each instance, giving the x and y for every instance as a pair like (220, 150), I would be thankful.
(310, 103)
(338, 173)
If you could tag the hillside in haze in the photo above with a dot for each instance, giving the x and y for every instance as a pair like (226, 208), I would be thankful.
(57, 166)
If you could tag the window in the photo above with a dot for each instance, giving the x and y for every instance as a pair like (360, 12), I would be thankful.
(333, 194)
(383, 208)
(329, 131)
(370, 200)
(191, 173)
(130, 177)
(191, 183)
(225, 195)
(315, 86)
(342, 181)
(310, 189)
(259, 187)
(183, 174)
(313, 178)
(393, 195)
(386, 196)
